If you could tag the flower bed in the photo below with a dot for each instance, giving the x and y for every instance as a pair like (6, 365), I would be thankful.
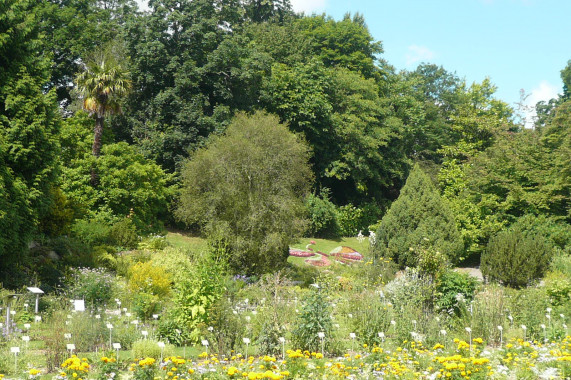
(347, 253)
(300, 253)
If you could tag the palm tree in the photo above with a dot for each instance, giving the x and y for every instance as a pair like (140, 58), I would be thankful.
(101, 85)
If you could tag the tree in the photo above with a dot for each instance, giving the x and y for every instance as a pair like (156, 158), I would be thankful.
(247, 187)
(418, 218)
(102, 85)
(130, 185)
(29, 126)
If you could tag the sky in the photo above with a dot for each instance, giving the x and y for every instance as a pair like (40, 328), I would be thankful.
(518, 44)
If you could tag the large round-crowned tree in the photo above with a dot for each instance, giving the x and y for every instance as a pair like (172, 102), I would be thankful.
(247, 187)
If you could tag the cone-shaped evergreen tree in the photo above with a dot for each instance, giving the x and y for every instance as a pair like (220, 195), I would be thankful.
(418, 218)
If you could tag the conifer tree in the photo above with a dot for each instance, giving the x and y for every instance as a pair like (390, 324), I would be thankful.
(418, 219)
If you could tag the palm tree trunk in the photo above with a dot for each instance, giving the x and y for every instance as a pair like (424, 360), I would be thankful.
(97, 134)
(96, 149)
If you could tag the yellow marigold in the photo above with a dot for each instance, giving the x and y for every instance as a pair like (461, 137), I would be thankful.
(34, 372)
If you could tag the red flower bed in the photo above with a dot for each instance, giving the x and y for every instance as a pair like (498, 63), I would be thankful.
(300, 253)
(319, 263)
(347, 253)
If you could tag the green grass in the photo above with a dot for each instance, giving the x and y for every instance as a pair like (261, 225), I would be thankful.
(186, 241)
(192, 242)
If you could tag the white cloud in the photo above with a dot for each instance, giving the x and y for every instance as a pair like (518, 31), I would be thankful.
(418, 54)
(308, 6)
(544, 91)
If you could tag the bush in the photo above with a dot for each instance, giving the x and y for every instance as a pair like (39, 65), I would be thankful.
(95, 286)
(453, 288)
(352, 219)
(148, 278)
(516, 258)
(417, 214)
(410, 288)
(322, 215)
(558, 288)
(124, 233)
(149, 348)
(313, 318)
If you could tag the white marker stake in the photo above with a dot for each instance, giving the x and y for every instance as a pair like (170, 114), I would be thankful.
(70, 347)
(110, 327)
(321, 336)
(524, 331)
(282, 340)
(15, 351)
(501, 335)
(247, 342)
(469, 330)
(27, 340)
(162, 347)
(382, 336)
(352, 336)
(205, 344)
(145, 333)
(117, 347)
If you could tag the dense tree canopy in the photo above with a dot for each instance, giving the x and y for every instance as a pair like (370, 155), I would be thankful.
(29, 124)
(247, 188)
(195, 64)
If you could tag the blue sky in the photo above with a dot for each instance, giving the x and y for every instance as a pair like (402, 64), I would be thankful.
(519, 44)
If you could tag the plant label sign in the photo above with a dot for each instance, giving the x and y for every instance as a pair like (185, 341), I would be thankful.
(79, 305)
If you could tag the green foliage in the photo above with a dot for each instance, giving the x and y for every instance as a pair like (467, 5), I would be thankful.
(353, 219)
(145, 305)
(144, 277)
(253, 201)
(322, 215)
(516, 258)
(454, 290)
(418, 213)
(314, 317)
(124, 233)
(196, 294)
(29, 124)
(558, 288)
(95, 286)
(411, 288)
(346, 43)
(129, 185)
(149, 348)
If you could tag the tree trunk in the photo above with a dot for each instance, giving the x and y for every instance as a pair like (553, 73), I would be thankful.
(96, 149)
(97, 134)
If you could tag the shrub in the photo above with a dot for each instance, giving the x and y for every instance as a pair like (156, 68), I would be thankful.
(558, 288)
(453, 288)
(149, 348)
(515, 258)
(314, 317)
(488, 312)
(196, 294)
(322, 215)
(124, 233)
(352, 219)
(148, 278)
(418, 213)
(95, 286)
(410, 288)
(145, 305)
